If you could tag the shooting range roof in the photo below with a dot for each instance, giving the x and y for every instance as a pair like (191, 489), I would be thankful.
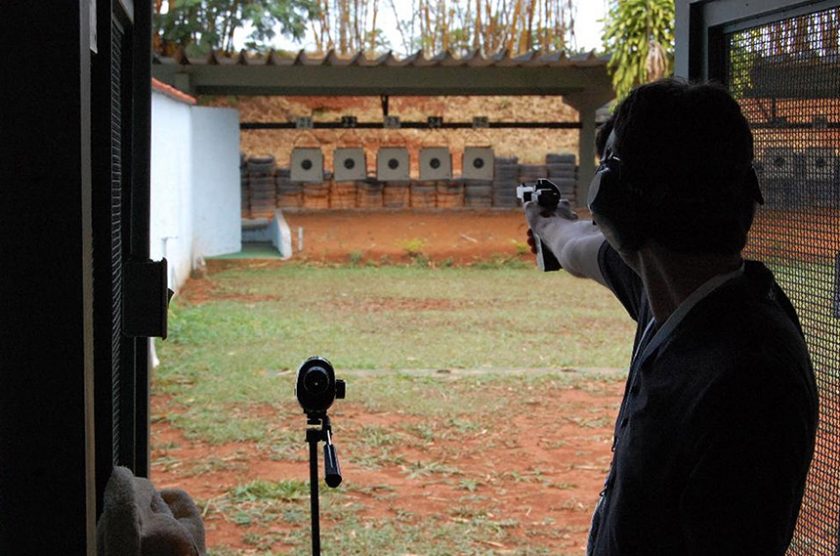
(289, 74)
(172, 92)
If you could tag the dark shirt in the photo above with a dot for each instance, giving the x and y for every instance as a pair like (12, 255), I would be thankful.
(716, 429)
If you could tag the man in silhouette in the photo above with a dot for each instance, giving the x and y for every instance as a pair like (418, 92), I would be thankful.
(716, 429)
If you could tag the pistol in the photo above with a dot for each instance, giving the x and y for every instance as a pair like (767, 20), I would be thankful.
(547, 195)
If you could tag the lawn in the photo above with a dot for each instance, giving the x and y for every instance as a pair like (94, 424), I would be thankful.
(478, 415)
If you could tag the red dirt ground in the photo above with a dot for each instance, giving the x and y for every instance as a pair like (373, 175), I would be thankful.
(470, 236)
(540, 470)
(443, 236)
(511, 462)
(572, 453)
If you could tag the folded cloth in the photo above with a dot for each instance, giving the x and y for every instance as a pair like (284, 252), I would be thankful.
(137, 520)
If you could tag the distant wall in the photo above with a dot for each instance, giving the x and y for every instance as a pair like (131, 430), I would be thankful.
(529, 145)
(195, 193)
(216, 182)
(171, 230)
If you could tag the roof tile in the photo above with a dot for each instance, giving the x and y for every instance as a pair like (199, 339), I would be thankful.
(475, 58)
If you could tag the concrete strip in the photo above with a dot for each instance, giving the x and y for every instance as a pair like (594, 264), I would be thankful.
(594, 372)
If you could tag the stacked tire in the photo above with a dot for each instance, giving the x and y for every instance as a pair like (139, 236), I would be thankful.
(505, 180)
(423, 194)
(478, 193)
(289, 193)
(529, 173)
(396, 194)
(449, 194)
(261, 189)
(369, 194)
(316, 195)
(562, 170)
(343, 194)
(821, 175)
(782, 169)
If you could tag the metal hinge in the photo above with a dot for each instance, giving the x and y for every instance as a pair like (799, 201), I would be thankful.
(145, 298)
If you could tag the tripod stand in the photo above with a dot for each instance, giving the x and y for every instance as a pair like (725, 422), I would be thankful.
(332, 471)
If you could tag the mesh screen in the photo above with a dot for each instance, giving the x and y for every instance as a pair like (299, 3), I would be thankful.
(786, 75)
(116, 210)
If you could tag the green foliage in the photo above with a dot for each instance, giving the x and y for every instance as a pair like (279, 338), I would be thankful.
(269, 490)
(521, 247)
(200, 26)
(639, 36)
(742, 59)
(355, 258)
(413, 247)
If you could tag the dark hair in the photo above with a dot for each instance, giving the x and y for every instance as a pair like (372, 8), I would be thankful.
(687, 150)
(602, 134)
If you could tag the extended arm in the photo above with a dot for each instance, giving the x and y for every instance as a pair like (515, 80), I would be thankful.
(575, 243)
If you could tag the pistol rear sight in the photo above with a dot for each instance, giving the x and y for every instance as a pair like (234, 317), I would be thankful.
(544, 192)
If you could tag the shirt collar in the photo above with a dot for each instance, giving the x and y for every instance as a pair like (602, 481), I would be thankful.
(683, 309)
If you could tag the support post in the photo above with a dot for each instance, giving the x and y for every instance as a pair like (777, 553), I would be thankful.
(586, 154)
(586, 105)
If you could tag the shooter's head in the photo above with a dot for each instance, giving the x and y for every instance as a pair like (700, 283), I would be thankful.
(682, 172)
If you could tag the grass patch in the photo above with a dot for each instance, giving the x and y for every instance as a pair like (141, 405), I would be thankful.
(227, 354)
(397, 318)
(376, 436)
(443, 537)
(268, 490)
(228, 375)
(213, 423)
(436, 407)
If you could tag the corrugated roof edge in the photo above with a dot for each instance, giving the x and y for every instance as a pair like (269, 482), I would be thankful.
(534, 58)
(172, 92)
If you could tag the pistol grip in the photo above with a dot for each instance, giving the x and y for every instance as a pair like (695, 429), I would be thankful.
(546, 260)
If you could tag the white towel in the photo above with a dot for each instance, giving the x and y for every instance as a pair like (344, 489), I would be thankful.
(137, 520)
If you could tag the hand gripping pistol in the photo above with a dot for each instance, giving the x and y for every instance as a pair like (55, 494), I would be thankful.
(547, 195)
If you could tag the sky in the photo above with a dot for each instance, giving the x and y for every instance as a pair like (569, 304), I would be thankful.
(587, 26)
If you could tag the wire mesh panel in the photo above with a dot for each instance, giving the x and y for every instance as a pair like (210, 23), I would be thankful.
(116, 254)
(786, 75)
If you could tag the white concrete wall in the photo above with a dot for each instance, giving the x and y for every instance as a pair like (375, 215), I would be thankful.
(217, 224)
(195, 199)
(171, 226)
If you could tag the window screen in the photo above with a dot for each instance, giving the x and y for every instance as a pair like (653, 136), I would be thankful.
(786, 75)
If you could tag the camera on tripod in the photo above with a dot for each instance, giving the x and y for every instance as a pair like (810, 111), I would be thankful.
(317, 388)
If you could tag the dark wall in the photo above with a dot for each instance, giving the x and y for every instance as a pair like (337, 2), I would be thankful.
(46, 296)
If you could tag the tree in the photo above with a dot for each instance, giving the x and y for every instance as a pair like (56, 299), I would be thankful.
(350, 26)
(200, 26)
(486, 25)
(347, 26)
(639, 36)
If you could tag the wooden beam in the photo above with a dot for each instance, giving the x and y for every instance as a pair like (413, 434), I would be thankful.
(325, 80)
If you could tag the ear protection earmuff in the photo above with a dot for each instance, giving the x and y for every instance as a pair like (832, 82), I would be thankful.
(619, 207)
(614, 203)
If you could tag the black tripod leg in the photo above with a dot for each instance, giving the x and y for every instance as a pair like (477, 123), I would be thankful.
(313, 493)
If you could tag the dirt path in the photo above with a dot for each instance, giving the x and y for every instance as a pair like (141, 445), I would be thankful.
(457, 236)
(469, 236)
